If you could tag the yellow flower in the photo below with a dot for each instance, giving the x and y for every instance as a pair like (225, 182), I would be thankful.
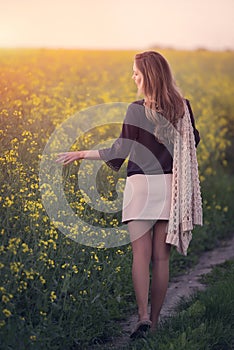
(25, 247)
(120, 252)
(23, 286)
(51, 241)
(9, 201)
(225, 163)
(14, 244)
(72, 297)
(5, 299)
(6, 312)
(95, 257)
(75, 269)
(15, 267)
(83, 292)
(53, 296)
(33, 337)
(51, 262)
(202, 178)
(42, 280)
(2, 323)
(29, 274)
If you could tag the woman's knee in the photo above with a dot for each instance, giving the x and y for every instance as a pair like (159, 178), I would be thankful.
(161, 253)
(142, 249)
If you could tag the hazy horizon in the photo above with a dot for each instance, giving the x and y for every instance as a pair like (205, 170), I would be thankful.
(122, 25)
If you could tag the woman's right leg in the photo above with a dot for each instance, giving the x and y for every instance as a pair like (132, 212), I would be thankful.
(160, 270)
(140, 233)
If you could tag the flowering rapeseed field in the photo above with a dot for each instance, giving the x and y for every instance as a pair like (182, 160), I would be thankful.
(56, 293)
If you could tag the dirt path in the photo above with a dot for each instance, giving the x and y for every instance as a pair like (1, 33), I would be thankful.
(181, 287)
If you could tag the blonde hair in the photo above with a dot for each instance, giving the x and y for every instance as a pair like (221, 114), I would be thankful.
(164, 104)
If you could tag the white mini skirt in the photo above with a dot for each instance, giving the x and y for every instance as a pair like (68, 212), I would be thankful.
(147, 197)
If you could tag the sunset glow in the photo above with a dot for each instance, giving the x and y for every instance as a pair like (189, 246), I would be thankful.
(117, 24)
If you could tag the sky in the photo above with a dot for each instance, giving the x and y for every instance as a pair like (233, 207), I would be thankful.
(117, 24)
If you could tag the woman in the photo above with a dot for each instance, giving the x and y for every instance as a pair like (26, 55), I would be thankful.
(147, 137)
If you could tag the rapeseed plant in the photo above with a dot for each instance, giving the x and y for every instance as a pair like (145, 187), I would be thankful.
(49, 281)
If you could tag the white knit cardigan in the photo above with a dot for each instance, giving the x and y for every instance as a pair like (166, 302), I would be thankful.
(186, 203)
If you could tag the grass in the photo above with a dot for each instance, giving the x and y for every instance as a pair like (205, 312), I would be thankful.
(204, 322)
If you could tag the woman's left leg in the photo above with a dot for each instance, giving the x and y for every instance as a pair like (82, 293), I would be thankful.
(140, 233)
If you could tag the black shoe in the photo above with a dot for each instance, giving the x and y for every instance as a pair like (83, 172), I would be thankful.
(141, 330)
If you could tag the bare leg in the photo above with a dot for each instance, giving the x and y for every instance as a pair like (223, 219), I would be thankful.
(160, 270)
(142, 252)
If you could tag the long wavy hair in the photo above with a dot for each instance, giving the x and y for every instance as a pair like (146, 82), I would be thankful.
(164, 104)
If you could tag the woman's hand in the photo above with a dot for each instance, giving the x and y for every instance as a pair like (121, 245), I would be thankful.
(68, 157)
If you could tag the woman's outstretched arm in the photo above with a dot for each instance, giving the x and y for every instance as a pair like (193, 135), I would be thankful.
(120, 149)
(68, 157)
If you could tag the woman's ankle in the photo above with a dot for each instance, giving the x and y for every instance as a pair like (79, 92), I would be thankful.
(153, 328)
(143, 317)
(154, 324)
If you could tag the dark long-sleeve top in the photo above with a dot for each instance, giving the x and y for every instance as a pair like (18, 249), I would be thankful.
(146, 154)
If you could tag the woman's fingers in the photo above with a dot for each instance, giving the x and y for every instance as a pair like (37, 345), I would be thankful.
(66, 157)
(61, 157)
